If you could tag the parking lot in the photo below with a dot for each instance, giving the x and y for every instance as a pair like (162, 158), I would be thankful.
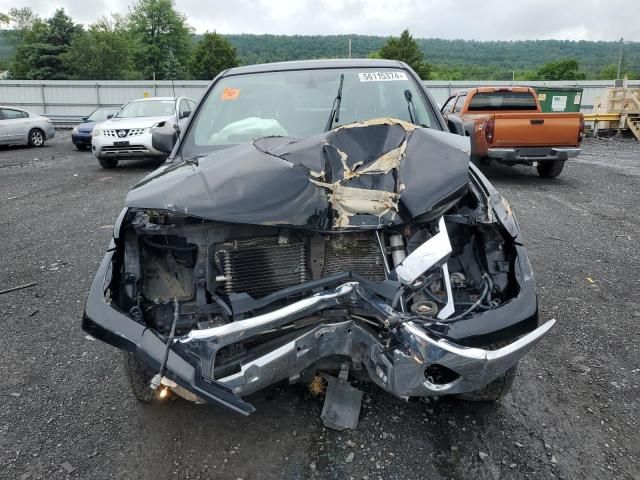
(66, 410)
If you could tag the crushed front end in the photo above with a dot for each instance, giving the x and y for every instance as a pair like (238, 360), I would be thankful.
(422, 292)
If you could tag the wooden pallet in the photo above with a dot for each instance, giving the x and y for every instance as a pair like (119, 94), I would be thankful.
(620, 110)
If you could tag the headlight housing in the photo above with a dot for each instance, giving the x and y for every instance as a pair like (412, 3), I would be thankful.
(96, 132)
(75, 130)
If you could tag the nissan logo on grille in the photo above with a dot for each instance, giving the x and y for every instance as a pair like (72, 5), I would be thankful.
(122, 133)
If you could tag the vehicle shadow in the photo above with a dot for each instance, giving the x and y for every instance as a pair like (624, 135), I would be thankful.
(519, 175)
(286, 428)
(21, 147)
(133, 164)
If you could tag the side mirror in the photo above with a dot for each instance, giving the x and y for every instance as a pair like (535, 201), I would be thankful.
(109, 116)
(164, 138)
(455, 125)
(85, 119)
(185, 114)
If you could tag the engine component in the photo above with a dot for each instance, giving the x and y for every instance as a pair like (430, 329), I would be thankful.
(397, 247)
(358, 253)
(425, 309)
(262, 266)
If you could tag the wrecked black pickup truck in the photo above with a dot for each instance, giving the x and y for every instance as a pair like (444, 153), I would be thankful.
(316, 218)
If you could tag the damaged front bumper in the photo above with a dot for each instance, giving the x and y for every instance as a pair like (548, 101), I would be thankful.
(404, 367)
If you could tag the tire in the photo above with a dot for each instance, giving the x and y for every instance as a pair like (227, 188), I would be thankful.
(550, 169)
(140, 378)
(82, 148)
(494, 391)
(36, 138)
(108, 162)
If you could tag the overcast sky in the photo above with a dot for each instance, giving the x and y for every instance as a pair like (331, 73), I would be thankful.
(468, 19)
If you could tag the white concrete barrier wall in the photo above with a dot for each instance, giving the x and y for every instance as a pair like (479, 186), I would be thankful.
(77, 98)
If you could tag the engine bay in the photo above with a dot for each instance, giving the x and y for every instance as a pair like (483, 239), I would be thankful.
(223, 272)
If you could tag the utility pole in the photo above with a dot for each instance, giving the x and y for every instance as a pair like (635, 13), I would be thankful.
(349, 48)
(620, 58)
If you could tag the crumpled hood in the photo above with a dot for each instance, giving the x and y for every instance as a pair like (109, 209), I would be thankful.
(362, 175)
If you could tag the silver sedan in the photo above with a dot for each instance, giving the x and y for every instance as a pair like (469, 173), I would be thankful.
(22, 127)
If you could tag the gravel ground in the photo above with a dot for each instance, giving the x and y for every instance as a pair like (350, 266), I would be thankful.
(66, 411)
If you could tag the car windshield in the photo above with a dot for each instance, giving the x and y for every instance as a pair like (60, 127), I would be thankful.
(147, 108)
(298, 104)
(100, 114)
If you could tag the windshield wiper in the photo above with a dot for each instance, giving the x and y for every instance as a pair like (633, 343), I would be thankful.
(335, 108)
(413, 115)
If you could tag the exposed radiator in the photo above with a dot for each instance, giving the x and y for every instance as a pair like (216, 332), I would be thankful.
(261, 266)
(358, 253)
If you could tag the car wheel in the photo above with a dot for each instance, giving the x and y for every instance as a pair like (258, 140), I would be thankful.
(82, 147)
(108, 162)
(36, 138)
(550, 169)
(140, 376)
(494, 391)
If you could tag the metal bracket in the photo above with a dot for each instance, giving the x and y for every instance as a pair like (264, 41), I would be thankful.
(342, 403)
(316, 255)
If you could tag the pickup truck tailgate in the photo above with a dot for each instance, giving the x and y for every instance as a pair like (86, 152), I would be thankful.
(515, 129)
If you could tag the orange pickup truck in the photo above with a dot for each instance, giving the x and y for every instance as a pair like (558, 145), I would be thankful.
(506, 125)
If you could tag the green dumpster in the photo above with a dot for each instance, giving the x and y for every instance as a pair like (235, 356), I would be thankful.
(559, 99)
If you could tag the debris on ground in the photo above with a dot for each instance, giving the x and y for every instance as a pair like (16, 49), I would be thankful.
(19, 287)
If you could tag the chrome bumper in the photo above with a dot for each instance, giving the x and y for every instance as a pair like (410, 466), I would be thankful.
(402, 371)
(525, 155)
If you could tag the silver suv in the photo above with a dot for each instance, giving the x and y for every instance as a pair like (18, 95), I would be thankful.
(128, 134)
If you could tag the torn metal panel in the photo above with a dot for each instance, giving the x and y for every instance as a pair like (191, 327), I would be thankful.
(363, 175)
(380, 121)
(348, 201)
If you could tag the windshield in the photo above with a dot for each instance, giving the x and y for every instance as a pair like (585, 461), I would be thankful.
(100, 114)
(298, 104)
(148, 108)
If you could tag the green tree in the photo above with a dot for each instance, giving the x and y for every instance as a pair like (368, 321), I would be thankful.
(212, 54)
(41, 51)
(406, 49)
(566, 69)
(22, 19)
(25, 55)
(105, 52)
(158, 27)
(609, 72)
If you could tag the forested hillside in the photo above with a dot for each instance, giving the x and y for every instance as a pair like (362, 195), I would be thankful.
(450, 59)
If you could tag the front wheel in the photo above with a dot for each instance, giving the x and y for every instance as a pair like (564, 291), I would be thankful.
(140, 376)
(108, 162)
(36, 138)
(550, 169)
(494, 391)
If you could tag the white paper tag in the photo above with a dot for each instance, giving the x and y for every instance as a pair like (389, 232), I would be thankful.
(382, 76)
(558, 103)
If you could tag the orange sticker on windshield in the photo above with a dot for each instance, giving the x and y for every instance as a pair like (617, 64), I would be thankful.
(230, 94)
